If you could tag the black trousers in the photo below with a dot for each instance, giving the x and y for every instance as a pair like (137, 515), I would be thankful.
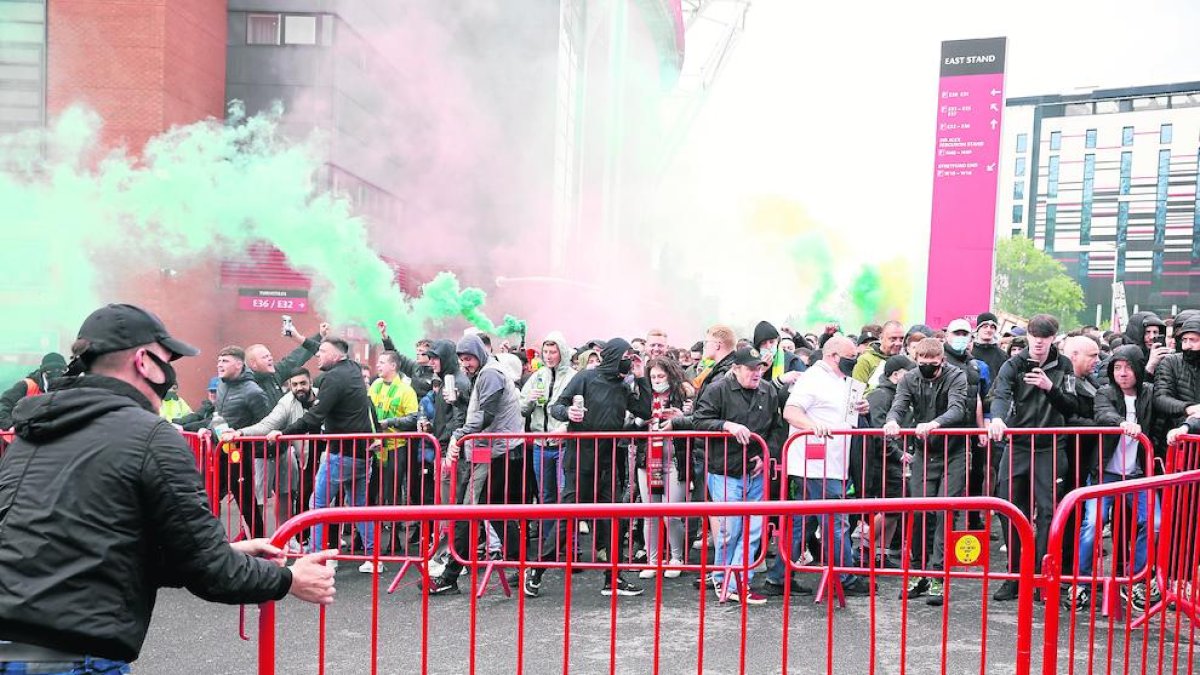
(1029, 482)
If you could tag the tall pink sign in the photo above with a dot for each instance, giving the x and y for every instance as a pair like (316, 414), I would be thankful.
(962, 230)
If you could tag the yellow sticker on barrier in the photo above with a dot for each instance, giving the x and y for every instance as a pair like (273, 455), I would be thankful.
(967, 549)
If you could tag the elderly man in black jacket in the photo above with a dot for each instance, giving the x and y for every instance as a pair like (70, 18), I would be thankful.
(101, 505)
(934, 396)
(1034, 389)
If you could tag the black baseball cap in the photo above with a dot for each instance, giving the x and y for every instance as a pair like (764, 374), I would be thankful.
(748, 356)
(115, 327)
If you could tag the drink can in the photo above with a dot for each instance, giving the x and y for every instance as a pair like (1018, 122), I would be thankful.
(577, 402)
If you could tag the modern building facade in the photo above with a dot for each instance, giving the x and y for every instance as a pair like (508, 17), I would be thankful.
(1106, 182)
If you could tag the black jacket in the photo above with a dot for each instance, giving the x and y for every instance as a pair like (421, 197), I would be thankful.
(197, 419)
(607, 398)
(756, 409)
(1082, 451)
(719, 369)
(976, 387)
(1111, 410)
(1135, 332)
(342, 407)
(272, 383)
(100, 506)
(447, 417)
(1176, 386)
(994, 357)
(879, 403)
(241, 402)
(943, 400)
(18, 391)
(1026, 406)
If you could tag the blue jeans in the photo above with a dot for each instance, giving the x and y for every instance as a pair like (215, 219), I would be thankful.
(1096, 512)
(338, 475)
(89, 666)
(843, 551)
(731, 541)
(547, 470)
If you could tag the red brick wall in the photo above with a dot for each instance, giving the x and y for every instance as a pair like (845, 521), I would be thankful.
(143, 65)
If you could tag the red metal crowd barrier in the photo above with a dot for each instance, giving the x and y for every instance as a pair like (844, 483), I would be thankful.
(608, 468)
(675, 630)
(1150, 577)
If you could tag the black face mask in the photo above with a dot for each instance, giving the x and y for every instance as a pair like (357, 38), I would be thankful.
(161, 388)
(929, 370)
(625, 366)
(1191, 356)
(846, 366)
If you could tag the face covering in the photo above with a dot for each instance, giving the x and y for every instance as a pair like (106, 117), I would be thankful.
(846, 366)
(625, 366)
(661, 387)
(1192, 357)
(161, 389)
(929, 370)
(959, 343)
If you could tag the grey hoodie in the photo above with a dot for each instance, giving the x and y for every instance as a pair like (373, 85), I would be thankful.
(554, 381)
(494, 406)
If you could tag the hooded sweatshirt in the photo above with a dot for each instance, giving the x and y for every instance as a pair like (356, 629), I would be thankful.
(447, 417)
(1135, 332)
(607, 398)
(494, 405)
(554, 382)
(1111, 408)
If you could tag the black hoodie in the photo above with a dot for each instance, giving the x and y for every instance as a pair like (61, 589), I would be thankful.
(1110, 403)
(100, 506)
(606, 396)
(1135, 332)
(1025, 406)
(447, 417)
(20, 390)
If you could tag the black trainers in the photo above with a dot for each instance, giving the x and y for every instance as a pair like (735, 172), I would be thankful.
(917, 586)
(772, 589)
(533, 584)
(1008, 591)
(856, 589)
(443, 586)
(1078, 597)
(619, 586)
(936, 594)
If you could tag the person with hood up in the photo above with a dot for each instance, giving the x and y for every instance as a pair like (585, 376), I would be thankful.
(1177, 381)
(1034, 389)
(783, 367)
(240, 403)
(891, 342)
(38, 382)
(101, 505)
(934, 396)
(494, 407)
(545, 386)
(608, 394)
(1147, 331)
(1125, 402)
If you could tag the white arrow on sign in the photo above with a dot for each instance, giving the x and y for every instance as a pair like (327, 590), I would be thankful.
(994, 123)
(991, 167)
(995, 107)
(995, 92)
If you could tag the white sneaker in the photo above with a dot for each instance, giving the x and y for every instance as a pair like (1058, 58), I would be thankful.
(647, 574)
(584, 528)
(370, 567)
(672, 570)
(806, 558)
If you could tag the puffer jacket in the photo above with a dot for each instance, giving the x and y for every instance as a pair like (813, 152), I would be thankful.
(100, 506)
(241, 402)
(1176, 386)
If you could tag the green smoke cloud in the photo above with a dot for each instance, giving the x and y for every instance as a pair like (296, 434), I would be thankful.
(206, 188)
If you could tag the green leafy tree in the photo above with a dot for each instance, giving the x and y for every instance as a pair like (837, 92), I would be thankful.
(1029, 281)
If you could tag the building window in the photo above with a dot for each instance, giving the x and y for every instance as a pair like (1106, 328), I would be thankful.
(1166, 133)
(1089, 140)
(1055, 140)
(1019, 189)
(1126, 171)
(1089, 192)
(1020, 166)
(1051, 226)
(1018, 214)
(1022, 142)
(299, 30)
(263, 29)
(1052, 178)
(1127, 136)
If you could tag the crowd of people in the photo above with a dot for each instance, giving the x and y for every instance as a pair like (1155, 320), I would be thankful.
(768, 386)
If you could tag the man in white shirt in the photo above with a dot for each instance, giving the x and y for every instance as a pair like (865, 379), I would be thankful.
(824, 399)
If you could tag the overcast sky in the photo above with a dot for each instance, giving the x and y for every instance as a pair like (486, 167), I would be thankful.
(833, 104)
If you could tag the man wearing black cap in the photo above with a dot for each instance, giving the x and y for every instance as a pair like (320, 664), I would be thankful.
(101, 505)
(37, 382)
